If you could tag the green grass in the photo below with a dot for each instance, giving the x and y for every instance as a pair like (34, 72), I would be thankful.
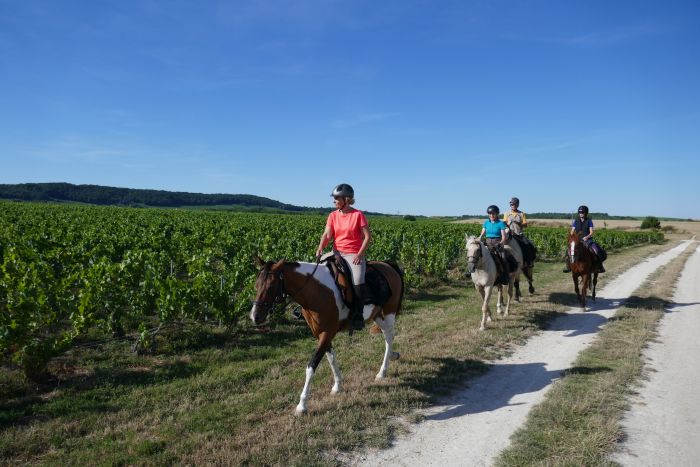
(210, 396)
(578, 422)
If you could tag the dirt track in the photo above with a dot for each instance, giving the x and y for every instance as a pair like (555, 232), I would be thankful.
(663, 425)
(474, 425)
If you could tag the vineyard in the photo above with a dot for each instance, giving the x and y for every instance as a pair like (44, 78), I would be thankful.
(66, 271)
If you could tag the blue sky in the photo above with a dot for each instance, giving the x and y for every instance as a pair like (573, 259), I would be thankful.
(425, 107)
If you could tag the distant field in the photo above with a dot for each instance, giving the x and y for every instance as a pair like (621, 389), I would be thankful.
(680, 226)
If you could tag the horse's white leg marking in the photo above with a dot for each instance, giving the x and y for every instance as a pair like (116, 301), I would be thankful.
(337, 377)
(301, 407)
(387, 326)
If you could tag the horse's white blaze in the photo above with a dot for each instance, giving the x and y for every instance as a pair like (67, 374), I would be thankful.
(324, 276)
(572, 249)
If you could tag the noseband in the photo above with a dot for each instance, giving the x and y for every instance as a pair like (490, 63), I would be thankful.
(477, 256)
(281, 293)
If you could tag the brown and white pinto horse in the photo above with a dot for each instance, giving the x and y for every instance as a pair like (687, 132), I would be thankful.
(315, 290)
(583, 265)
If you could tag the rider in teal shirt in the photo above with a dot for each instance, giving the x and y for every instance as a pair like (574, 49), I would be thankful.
(495, 231)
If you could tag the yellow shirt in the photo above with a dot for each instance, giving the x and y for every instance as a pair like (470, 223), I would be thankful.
(515, 216)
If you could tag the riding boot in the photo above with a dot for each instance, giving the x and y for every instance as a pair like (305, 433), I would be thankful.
(357, 321)
(601, 268)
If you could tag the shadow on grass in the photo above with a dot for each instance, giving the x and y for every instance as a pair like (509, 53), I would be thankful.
(89, 394)
(540, 318)
(564, 299)
(432, 297)
(450, 375)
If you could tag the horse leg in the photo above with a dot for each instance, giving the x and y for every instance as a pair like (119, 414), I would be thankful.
(485, 312)
(324, 344)
(517, 290)
(337, 377)
(510, 296)
(387, 327)
(499, 308)
(578, 293)
(595, 281)
(585, 281)
(528, 274)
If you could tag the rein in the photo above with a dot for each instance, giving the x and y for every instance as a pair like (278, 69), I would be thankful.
(477, 256)
(282, 295)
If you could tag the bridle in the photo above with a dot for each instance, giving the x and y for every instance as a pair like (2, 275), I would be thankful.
(575, 250)
(281, 294)
(476, 257)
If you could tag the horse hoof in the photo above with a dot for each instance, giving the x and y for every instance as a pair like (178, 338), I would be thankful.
(300, 411)
(335, 390)
(395, 355)
(583, 309)
(517, 299)
(482, 328)
(531, 289)
(379, 377)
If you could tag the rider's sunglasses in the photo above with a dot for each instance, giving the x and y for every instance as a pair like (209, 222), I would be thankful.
(337, 198)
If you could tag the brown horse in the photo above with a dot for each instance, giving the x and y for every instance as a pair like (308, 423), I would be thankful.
(583, 265)
(324, 310)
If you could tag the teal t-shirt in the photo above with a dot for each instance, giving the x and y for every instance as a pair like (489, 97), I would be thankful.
(493, 229)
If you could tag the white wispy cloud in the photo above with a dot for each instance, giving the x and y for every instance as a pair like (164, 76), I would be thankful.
(362, 119)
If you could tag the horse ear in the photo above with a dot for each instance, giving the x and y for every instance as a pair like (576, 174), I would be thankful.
(258, 261)
(278, 264)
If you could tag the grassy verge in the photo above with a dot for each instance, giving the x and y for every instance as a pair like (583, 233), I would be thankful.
(214, 397)
(578, 422)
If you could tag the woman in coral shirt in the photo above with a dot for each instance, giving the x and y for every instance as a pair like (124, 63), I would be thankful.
(349, 230)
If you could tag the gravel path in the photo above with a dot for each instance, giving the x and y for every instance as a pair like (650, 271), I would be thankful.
(474, 425)
(663, 426)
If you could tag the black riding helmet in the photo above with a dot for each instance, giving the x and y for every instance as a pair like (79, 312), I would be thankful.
(493, 209)
(515, 201)
(343, 190)
(583, 209)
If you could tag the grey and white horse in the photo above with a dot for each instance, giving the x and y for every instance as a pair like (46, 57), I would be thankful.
(482, 268)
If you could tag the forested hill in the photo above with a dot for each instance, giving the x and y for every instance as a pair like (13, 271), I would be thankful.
(106, 195)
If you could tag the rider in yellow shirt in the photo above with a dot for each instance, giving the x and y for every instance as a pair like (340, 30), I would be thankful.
(515, 219)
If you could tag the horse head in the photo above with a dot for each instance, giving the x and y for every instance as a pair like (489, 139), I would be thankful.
(575, 247)
(474, 253)
(269, 289)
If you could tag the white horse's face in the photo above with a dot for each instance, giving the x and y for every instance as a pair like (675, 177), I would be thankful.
(474, 254)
